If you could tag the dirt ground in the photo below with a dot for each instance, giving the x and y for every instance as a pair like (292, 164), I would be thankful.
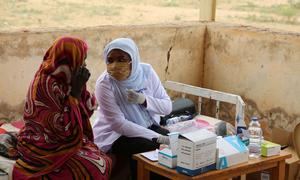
(32, 14)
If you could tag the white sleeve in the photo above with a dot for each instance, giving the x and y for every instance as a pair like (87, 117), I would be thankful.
(159, 102)
(115, 118)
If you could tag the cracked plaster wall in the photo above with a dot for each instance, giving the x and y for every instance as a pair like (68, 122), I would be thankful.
(260, 65)
(175, 52)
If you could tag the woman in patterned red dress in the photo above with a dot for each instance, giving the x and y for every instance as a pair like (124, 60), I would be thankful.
(57, 140)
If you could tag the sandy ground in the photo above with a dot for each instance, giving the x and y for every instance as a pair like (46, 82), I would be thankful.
(28, 14)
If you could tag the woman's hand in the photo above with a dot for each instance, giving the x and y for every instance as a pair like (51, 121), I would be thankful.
(79, 79)
(163, 139)
(135, 97)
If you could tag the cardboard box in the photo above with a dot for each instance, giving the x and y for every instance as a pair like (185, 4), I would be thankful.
(231, 151)
(195, 172)
(196, 152)
(166, 158)
(269, 148)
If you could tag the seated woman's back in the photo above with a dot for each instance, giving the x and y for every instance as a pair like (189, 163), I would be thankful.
(57, 140)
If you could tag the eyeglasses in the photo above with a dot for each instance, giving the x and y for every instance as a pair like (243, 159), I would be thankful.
(121, 59)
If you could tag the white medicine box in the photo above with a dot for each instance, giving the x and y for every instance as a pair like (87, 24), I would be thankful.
(231, 151)
(196, 152)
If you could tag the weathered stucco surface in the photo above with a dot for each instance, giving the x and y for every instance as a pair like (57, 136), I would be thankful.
(261, 66)
(175, 52)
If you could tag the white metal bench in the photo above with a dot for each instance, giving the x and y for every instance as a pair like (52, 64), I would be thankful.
(211, 94)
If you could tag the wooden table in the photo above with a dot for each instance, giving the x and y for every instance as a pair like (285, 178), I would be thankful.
(276, 163)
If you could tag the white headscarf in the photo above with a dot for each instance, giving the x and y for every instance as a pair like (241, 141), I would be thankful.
(139, 71)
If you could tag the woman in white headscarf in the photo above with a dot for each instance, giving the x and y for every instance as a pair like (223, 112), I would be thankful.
(131, 100)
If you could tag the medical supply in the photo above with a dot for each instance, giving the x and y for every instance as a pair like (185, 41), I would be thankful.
(167, 158)
(231, 151)
(196, 152)
(173, 138)
(177, 119)
(269, 148)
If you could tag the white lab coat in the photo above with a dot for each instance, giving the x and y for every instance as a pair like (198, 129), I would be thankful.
(110, 123)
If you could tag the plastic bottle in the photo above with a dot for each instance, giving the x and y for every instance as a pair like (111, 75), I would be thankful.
(241, 127)
(255, 138)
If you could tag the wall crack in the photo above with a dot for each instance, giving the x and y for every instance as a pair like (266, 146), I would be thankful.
(169, 54)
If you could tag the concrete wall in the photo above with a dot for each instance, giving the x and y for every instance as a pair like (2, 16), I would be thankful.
(175, 52)
(261, 66)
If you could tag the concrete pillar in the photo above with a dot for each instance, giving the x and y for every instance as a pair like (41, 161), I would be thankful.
(207, 10)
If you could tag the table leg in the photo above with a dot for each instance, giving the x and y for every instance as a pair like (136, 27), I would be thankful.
(243, 177)
(142, 172)
(278, 173)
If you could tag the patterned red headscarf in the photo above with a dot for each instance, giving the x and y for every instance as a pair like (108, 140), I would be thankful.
(56, 124)
(65, 56)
